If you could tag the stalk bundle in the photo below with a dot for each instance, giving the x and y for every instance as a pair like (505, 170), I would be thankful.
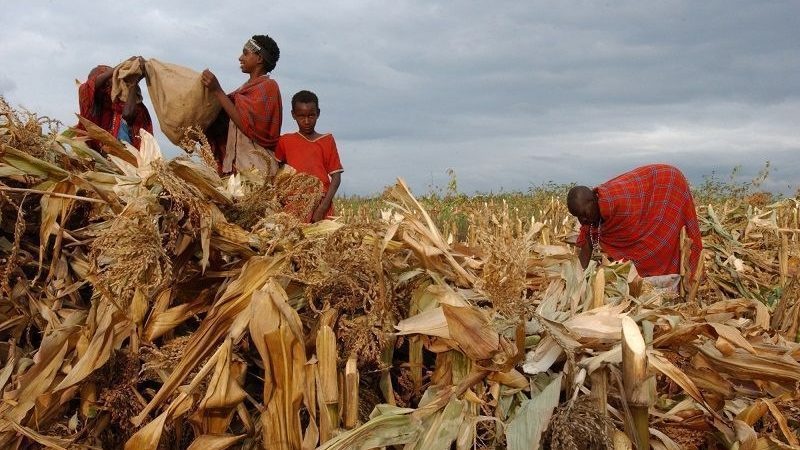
(151, 304)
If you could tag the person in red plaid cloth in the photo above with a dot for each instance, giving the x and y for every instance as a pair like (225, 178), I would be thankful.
(638, 216)
(244, 135)
(123, 119)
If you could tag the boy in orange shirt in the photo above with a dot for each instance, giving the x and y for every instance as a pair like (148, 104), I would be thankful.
(311, 152)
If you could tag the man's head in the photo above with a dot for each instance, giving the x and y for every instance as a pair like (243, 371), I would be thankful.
(305, 111)
(582, 203)
(99, 70)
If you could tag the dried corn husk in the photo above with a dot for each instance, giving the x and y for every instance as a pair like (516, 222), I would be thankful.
(268, 333)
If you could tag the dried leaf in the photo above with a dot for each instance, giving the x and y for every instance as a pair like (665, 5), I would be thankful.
(525, 429)
(472, 330)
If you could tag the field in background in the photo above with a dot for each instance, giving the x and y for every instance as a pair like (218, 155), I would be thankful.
(453, 211)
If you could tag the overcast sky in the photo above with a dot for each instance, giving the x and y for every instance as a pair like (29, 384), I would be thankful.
(508, 94)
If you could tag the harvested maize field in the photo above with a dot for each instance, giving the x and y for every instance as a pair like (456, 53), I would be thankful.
(150, 304)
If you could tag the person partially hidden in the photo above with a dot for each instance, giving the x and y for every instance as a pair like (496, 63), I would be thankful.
(123, 119)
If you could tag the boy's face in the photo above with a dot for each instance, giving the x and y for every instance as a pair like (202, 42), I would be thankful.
(306, 115)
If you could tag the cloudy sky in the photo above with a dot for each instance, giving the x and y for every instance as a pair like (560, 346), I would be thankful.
(508, 94)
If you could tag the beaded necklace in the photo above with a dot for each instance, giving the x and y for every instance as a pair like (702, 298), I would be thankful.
(594, 240)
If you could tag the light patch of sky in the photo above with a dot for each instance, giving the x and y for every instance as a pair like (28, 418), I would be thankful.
(509, 97)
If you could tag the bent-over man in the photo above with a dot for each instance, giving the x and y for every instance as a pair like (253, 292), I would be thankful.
(638, 216)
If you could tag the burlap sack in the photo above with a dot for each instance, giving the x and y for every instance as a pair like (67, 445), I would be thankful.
(126, 76)
(179, 98)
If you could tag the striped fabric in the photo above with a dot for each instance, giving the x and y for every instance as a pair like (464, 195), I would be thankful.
(259, 105)
(96, 105)
(643, 211)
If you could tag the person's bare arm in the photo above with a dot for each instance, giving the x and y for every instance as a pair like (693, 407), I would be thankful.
(103, 78)
(99, 82)
(210, 81)
(585, 254)
(325, 203)
(129, 111)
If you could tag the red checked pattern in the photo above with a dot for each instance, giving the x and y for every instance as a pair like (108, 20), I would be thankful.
(643, 211)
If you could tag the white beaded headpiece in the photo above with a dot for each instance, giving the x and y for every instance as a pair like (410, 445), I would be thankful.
(252, 46)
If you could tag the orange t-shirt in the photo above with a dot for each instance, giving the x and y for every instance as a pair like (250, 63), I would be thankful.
(318, 157)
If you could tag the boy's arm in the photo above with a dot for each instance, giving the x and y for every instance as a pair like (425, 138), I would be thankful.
(280, 152)
(325, 203)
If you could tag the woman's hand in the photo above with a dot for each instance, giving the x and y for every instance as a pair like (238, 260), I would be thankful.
(210, 81)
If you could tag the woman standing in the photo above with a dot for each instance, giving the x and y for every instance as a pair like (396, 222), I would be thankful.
(245, 133)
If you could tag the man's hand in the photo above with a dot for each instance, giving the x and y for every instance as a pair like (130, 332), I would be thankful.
(132, 58)
(319, 214)
(210, 81)
(141, 63)
(585, 253)
(123, 62)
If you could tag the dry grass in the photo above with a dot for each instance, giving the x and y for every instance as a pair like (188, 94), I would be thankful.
(128, 256)
(298, 194)
(686, 438)
(195, 142)
(26, 131)
(11, 263)
(578, 425)
(505, 250)
(343, 272)
(116, 384)
(249, 285)
(259, 202)
(295, 195)
(158, 361)
(185, 201)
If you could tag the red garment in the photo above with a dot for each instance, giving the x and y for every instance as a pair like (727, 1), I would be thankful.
(96, 105)
(259, 105)
(642, 214)
(318, 157)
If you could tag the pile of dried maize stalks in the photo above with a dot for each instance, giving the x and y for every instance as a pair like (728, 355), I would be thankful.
(150, 304)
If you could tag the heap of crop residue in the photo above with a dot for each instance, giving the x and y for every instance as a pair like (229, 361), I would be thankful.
(152, 304)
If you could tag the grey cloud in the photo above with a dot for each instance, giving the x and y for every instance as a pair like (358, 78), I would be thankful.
(508, 97)
(6, 85)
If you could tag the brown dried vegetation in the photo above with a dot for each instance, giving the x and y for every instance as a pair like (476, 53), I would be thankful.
(152, 304)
